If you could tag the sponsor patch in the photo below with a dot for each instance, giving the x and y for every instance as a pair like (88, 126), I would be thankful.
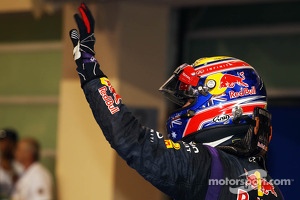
(109, 96)
(229, 80)
(172, 145)
(257, 182)
(243, 92)
(221, 118)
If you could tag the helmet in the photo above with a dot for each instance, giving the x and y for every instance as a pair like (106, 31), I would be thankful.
(224, 92)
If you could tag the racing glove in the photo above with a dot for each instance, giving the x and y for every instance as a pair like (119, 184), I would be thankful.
(87, 66)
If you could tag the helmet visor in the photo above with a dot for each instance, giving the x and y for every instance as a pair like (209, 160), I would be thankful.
(176, 90)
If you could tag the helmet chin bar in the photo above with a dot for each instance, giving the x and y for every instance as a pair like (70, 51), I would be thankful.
(215, 133)
(248, 140)
(256, 141)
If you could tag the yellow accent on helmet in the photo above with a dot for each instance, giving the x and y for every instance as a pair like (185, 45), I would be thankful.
(206, 60)
(217, 78)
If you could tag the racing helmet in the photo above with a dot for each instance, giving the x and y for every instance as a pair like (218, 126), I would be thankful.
(224, 92)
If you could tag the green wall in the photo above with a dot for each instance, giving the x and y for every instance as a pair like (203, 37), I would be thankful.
(30, 71)
(20, 27)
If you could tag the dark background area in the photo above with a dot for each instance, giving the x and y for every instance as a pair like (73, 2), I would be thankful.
(283, 159)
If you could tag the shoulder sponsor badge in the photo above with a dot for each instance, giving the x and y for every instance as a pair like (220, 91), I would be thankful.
(109, 96)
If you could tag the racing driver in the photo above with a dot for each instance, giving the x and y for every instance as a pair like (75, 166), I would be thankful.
(217, 141)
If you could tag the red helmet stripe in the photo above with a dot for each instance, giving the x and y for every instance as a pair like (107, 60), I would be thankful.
(207, 115)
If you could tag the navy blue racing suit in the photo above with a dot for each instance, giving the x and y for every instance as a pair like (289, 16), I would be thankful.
(184, 171)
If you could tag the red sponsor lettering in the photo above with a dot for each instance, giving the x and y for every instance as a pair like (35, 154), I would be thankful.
(242, 92)
(109, 101)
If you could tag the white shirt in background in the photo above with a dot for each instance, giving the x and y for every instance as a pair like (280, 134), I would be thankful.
(6, 183)
(6, 180)
(34, 184)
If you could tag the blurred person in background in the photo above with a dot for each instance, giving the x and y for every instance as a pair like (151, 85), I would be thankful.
(8, 169)
(35, 183)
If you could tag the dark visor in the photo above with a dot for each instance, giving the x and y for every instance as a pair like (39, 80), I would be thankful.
(177, 91)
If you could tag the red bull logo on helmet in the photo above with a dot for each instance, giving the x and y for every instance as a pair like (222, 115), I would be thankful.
(229, 80)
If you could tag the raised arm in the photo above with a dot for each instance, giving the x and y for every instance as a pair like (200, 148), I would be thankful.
(167, 165)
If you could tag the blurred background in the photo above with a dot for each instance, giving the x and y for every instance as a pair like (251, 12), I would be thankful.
(139, 44)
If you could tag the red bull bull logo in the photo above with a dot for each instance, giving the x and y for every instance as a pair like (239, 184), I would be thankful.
(229, 80)
(256, 182)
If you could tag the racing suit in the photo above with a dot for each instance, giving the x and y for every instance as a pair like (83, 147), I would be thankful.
(184, 171)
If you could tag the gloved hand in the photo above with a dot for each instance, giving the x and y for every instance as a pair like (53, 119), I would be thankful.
(87, 66)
